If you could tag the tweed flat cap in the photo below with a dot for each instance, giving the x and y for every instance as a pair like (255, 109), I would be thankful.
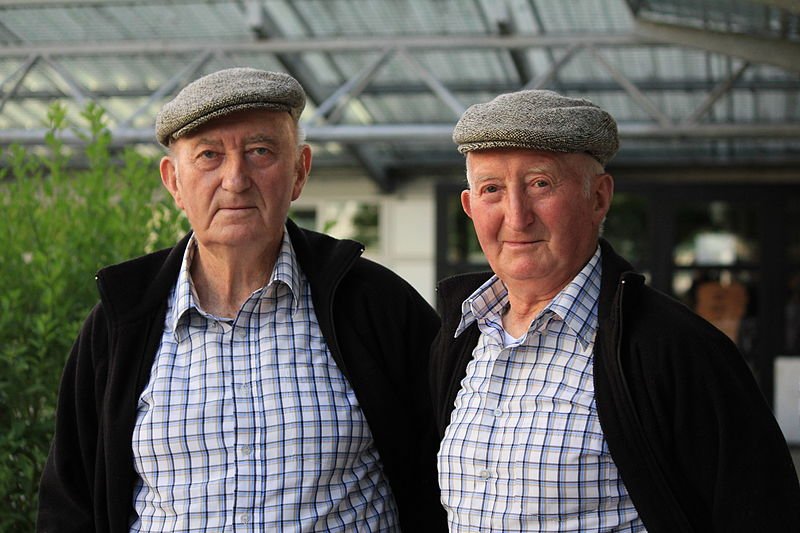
(224, 92)
(538, 120)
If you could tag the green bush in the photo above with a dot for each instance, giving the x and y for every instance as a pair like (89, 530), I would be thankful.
(65, 213)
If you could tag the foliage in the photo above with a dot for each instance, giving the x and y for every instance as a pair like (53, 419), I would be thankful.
(61, 222)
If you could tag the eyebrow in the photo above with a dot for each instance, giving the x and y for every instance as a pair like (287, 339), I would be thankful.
(261, 138)
(255, 138)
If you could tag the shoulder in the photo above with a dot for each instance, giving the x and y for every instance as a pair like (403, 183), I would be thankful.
(383, 292)
(675, 353)
(668, 321)
(453, 290)
(141, 284)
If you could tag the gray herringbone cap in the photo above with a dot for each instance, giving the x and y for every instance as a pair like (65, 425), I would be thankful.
(538, 120)
(224, 92)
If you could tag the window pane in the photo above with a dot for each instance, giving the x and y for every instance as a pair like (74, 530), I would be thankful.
(793, 233)
(726, 298)
(793, 315)
(305, 217)
(352, 219)
(462, 243)
(716, 233)
(627, 228)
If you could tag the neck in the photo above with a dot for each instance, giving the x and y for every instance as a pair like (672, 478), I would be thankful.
(521, 311)
(225, 278)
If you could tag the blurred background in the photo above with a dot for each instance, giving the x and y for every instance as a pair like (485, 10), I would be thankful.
(707, 205)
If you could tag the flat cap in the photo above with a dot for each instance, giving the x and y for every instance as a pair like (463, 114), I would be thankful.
(538, 120)
(224, 92)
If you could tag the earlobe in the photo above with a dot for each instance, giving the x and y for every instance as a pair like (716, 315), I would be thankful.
(169, 177)
(604, 192)
(302, 171)
(465, 202)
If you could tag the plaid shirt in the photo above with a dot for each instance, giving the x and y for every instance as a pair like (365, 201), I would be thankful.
(524, 450)
(249, 425)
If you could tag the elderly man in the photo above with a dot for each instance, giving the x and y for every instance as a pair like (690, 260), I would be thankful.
(570, 396)
(257, 376)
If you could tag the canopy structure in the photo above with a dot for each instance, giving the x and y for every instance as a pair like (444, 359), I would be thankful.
(707, 82)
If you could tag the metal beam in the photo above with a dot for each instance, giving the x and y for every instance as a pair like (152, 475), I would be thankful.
(723, 88)
(333, 107)
(633, 91)
(38, 4)
(384, 88)
(328, 45)
(548, 76)
(444, 94)
(777, 52)
(21, 72)
(169, 86)
(792, 6)
(441, 133)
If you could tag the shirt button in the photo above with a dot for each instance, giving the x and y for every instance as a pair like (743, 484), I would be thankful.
(484, 474)
(246, 450)
(245, 519)
(241, 333)
(497, 411)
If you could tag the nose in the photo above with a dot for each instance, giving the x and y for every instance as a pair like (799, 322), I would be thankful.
(519, 214)
(235, 173)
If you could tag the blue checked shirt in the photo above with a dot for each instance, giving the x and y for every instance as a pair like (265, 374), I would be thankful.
(248, 425)
(524, 450)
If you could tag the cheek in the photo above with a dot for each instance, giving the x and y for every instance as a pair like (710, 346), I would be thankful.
(487, 226)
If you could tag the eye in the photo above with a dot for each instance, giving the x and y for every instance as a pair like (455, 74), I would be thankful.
(490, 189)
(540, 184)
(208, 154)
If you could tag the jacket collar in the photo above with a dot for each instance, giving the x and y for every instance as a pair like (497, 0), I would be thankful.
(137, 287)
(616, 270)
(455, 289)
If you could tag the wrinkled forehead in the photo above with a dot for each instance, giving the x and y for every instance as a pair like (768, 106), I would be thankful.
(499, 160)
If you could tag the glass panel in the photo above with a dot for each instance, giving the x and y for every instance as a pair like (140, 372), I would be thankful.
(793, 233)
(462, 243)
(305, 217)
(627, 228)
(793, 315)
(716, 233)
(725, 298)
(352, 219)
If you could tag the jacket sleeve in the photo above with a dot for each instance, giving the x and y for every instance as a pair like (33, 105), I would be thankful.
(722, 448)
(429, 501)
(66, 499)
(416, 325)
(385, 336)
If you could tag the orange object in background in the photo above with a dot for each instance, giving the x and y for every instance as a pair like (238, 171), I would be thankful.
(722, 304)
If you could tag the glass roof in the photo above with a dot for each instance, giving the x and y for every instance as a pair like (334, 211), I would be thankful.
(689, 81)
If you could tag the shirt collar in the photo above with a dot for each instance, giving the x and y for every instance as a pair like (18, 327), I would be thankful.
(184, 297)
(576, 303)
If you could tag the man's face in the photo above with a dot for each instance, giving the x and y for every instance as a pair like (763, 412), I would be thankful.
(236, 176)
(533, 216)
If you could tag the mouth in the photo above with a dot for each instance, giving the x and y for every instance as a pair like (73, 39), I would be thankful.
(235, 210)
(522, 242)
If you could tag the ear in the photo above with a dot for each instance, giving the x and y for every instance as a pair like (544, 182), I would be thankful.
(602, 194)
(302, 171)
(169, 177)
(465, 202)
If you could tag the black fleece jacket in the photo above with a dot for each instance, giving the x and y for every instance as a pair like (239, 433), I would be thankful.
(377, 327)
(687, 426)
